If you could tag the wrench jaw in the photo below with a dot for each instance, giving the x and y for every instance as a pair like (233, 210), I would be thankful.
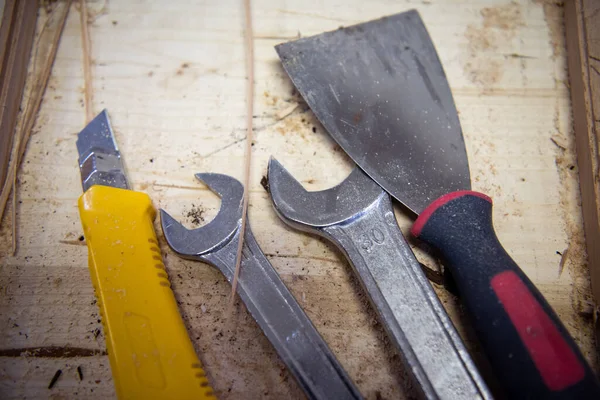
(196, 243)
(312, 211)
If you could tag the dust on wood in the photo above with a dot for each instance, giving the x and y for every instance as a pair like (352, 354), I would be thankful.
(506, 17)
(498, 25)
(574, 259)
(554, 17)
(195, 215)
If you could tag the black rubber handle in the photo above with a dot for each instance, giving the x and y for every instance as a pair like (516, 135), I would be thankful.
(529, 348)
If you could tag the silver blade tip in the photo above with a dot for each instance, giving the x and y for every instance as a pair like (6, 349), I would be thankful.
(99, 157)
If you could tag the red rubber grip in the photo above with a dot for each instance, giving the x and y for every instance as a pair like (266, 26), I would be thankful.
(554, 359)
(529, 348)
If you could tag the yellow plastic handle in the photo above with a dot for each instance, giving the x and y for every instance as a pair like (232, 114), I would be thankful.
(150, 352)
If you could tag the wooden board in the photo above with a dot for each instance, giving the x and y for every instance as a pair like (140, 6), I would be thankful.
(583, 44)
(172, 77)
(16, 39)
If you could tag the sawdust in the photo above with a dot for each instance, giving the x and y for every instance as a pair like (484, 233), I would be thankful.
(574, 258)
(195, 215)
(481, 62)
(478, 40)
(289, 126)
(507, 17)
(269, 99)
(483, 72)
(555, 16)
(296, 124)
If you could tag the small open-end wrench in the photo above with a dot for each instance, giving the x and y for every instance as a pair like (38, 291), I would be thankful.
(357, 216)
(263, 292)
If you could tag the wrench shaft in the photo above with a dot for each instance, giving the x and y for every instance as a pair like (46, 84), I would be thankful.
(411, 311)
(283, 321)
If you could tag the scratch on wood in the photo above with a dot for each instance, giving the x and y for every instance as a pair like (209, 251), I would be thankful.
(515, 55)
(52, 352)
(220, 149)
(73, 242)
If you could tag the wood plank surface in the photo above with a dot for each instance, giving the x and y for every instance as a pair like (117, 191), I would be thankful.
(172, 77)
(583, 44)
(16, 39)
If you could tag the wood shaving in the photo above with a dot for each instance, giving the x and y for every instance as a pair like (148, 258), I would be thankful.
(249, 43)
(284, 112)
(87, 62)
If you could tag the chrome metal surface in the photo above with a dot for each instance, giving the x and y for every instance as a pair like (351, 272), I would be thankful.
(99, 157)
(380, 91)
(357, 216)
(263, 292)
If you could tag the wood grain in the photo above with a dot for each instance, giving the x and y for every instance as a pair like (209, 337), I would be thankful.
(583, 43)
(172, 77)
(16, 39)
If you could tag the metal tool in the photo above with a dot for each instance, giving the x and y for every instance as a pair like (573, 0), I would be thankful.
(150, 352)
(380, 90)
(357, 216)
(265, 295)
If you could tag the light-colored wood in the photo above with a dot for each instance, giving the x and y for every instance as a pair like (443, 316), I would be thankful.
(172, 76)
(583, 44)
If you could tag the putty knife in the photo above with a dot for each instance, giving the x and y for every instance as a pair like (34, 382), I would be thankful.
(380, 91)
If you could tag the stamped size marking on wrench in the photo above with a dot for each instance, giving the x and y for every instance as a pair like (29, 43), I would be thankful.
(263, 292)
(357, 215)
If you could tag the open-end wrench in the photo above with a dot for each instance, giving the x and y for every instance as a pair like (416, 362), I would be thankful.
(263, 292)
(357, 216)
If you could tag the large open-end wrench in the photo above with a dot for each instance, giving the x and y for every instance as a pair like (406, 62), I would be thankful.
(357, 216)
(263, 292)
